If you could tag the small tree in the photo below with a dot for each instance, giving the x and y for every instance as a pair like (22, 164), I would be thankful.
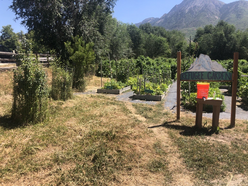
(30, 92)
(82, 57)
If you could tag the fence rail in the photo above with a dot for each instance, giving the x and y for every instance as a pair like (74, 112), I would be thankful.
(7, 53)
(42, 57)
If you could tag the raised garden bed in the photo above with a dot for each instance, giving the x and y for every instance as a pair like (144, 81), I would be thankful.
(114, 91)
(149, 97)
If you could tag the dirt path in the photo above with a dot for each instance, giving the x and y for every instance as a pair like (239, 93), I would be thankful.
(181, 176)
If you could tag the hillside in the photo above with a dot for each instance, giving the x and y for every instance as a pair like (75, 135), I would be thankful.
(191, 14)
(236, 13)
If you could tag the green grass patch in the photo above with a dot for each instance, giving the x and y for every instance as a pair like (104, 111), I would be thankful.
(153, 113)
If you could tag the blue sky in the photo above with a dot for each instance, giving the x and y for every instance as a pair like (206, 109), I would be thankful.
(126, 11)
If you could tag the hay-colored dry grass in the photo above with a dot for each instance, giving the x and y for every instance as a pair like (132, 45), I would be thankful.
(6, 82)
(92, 139)
(97, 140)
(94, 83)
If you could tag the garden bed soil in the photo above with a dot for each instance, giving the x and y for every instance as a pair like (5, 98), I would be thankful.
(114, 91)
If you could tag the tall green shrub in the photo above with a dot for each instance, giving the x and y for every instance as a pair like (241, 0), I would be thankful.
(30, 92)
(61, 83)
(82, 57)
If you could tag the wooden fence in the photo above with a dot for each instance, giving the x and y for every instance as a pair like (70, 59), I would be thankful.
(10, 57)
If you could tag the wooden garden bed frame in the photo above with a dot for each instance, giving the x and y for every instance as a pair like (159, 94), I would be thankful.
(149, 97)
(114, 91)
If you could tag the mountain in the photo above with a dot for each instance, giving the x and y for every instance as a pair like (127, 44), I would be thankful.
(150, 20)
(192, 14)
(236, 13)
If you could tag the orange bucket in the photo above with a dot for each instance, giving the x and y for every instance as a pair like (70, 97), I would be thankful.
(202, 90)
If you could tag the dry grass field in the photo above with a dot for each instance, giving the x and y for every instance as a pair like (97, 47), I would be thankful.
(97, 140)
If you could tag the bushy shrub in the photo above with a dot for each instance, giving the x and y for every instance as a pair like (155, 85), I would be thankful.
(243, 92)
(61, 83)
(30, 92)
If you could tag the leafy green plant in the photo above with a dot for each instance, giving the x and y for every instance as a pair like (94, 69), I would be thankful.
(113, 84)
(243, 92)
(189, 101)
(147, 88)
(30, 92)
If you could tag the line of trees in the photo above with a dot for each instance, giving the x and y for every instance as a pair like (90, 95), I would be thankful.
(221, 41)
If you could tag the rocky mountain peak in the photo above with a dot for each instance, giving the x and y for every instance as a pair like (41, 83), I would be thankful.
(187, 5)
(192, 14)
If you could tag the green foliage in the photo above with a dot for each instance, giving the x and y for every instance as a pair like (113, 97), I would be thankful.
(30, 93)
(61, 83)
(170, 42)
(221, 41)
(82, 57)
(119, 41)
(142, 86)
(242, 70)
(243, 92)
(8, 38)
(137, 40)
(124, 69)
(161, 70)
(156, 46)
(189, 100)
(35, 45)
(55, 22)
(113, 84)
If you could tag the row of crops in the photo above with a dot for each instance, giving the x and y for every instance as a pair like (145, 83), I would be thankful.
(145, 75)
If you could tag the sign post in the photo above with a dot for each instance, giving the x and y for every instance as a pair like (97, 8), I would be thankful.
(178, 83)
(209, 76)
(234, 88)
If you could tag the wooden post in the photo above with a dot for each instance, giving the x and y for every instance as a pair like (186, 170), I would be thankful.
(101, 72)
(178, 83)
(234, 88)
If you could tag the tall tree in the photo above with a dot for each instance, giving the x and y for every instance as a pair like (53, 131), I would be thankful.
(137, 40)
(82, 57)
(8, 38)
(120, 42)
(224, 41)
(57, 21)
(156, 46)
(219, 42)
(242, 48)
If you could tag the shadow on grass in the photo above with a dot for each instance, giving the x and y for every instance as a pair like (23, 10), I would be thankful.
(186, 130)
(8, 123)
